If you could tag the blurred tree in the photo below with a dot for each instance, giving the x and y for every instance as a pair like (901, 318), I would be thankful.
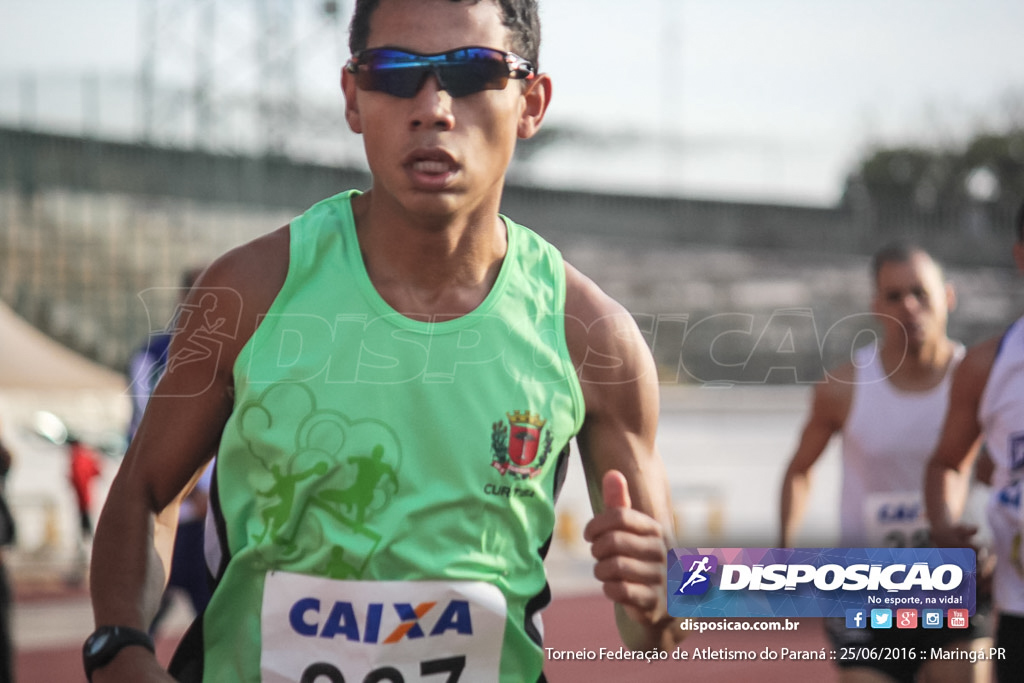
(987, 171)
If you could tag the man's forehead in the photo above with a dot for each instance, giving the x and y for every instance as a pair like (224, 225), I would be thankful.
(919, 266)
(437, 23)
(919, 262)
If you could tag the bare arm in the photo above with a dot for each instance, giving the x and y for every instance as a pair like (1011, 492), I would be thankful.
(949, 468)
(178, 434)
(629, 491)
(984, 467)
(829, 408)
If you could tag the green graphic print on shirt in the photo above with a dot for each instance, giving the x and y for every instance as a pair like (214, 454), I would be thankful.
(342, 469)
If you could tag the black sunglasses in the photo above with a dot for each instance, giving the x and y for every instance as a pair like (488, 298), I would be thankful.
(461, 72)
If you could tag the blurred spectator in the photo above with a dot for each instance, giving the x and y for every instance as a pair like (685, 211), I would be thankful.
(6, 538)
(84, 467)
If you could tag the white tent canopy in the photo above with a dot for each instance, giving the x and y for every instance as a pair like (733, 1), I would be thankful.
(39, 374)
(30, 360)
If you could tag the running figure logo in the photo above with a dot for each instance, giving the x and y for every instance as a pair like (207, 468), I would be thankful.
(696, 581)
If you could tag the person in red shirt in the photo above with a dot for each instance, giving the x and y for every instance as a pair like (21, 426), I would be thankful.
(85, 466)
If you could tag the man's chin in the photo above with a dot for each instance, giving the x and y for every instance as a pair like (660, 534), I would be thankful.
(915, 345)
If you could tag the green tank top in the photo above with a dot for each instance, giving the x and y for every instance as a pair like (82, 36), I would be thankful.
(385, 486)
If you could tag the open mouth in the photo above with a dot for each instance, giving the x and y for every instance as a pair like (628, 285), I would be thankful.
(431, 169)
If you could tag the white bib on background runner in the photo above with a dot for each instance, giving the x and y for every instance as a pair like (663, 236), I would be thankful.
(895, 519)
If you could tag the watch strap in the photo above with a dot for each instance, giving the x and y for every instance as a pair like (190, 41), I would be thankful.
(106, 641)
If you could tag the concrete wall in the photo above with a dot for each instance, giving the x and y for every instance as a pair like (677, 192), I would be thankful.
(33, 162)
(94, 234)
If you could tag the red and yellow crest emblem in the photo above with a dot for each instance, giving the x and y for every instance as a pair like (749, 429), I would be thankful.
(516, 444)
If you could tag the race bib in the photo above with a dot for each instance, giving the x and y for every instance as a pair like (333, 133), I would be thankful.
(1006, 520)
(895, 519)
(319, 630)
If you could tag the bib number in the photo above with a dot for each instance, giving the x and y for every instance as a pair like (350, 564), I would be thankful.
(322, 672)
(319, 630)
(896, 520)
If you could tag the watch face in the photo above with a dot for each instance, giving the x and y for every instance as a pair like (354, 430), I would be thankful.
(97, 643)
(106, 641)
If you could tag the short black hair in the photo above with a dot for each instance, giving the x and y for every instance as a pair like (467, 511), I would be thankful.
(521, 18)
(900, 251)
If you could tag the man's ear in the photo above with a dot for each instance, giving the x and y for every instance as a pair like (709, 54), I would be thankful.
(538, 97)
(348, 88)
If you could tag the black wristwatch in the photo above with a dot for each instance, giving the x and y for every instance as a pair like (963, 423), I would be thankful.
(106, 641)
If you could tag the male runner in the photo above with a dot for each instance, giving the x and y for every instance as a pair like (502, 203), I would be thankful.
(888, 405)
(412, 330)
(987, 403)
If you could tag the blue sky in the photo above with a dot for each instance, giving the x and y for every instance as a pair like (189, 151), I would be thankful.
(762, 99)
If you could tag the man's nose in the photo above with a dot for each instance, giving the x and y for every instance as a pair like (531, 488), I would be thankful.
(433, 105)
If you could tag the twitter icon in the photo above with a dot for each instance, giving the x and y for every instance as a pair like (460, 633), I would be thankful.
(881, 618)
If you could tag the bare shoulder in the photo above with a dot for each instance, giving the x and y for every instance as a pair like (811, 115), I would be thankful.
(972, 374)
(222, 311)
(583, 298)
(981, 356)
(834, 395)
(604, 341)
(241, 285)
(256, 269)
(612, 360)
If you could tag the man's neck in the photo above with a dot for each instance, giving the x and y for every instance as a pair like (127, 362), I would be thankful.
(917, 369)
(430, 267)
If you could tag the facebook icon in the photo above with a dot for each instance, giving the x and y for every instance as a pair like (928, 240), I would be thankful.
(856, 618)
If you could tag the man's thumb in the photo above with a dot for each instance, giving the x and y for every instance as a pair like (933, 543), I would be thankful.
(615, 490)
